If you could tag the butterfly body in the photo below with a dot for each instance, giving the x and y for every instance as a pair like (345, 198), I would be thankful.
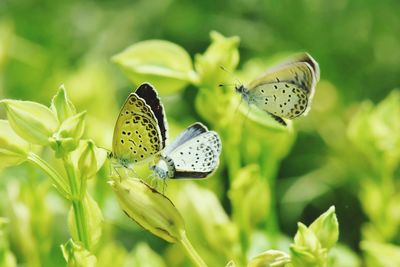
(286, 90)
(193, 154)
(140, 130)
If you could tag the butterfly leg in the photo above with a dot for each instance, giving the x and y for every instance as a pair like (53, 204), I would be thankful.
(129, 171)
(114, 169)
(164, 185)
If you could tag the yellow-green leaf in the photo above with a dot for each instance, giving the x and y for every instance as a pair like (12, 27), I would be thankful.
(30, 120)
(13, 149)
(167, 65)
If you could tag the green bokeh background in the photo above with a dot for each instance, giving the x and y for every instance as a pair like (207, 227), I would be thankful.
(44, 44)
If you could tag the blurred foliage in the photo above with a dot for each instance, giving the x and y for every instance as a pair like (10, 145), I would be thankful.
(344, 153)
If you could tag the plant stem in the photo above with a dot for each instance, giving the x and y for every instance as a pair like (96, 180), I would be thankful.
(77, 204)
(191, 252)
(268, 169)
(58, 180)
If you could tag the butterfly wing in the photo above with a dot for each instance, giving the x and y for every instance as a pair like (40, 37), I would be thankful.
(281, 99)
(190, 132)
(137, 135)
(147, 92)
(197, 157)
(301, 70)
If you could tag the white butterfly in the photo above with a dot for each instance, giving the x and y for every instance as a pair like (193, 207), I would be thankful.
(193, 154)
(285, 90)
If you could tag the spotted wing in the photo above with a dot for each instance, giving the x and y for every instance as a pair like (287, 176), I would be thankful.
(197, 157)
(281, 99)
(190, 132)
(147, 92)
(137, 135)
(301, 70)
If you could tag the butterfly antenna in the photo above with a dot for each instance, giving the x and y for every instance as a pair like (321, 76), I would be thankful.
(230, 74)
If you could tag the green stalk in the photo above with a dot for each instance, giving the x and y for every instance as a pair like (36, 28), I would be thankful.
(268, 169)
(58, 180)
(77, 204)
(191, 252)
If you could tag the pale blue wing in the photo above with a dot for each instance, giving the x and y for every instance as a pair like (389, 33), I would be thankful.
(190, 132)
(197, 157)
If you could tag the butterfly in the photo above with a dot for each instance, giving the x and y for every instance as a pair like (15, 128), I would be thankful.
(285, 90)
(140, 131)
(193, 154)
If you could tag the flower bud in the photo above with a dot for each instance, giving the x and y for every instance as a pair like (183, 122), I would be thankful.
(66, 139)
(76, 255)
(301, 257)
(273, 258)
(326, 228)
(32, 121)
(87, 163)
(307, 250)
(149, 208)
(88, 158)
(61, 106)
(13, 149)
(223, 52)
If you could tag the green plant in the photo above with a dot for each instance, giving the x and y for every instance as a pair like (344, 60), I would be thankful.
(34, 127)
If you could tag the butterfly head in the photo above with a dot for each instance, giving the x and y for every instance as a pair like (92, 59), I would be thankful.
(164, 168)
(241, 89)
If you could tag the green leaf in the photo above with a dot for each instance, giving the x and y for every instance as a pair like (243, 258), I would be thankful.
(32, 121)
(166, 65)
(93, 220)
(13, 149)
(270, 258)
(326, 228)
(62, 106)
(77, 256)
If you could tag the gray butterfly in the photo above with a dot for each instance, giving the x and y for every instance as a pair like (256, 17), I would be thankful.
(285, 90)
(193, 154)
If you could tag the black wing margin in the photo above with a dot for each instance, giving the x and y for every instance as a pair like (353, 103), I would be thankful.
(149, 94)
(190, 175)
